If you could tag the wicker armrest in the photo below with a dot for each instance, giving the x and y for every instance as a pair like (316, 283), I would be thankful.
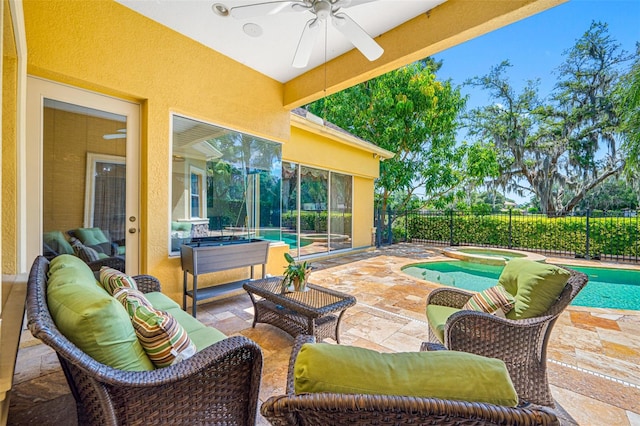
(147, 283)
(359, 409)
(490, 335)
(448, 296)
(115, 262)
(297, 345)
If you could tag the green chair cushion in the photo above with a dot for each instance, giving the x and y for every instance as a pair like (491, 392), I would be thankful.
(181, 226)
(205, 337)
(200, 334)
(57, 242)
(536, 286)
(437, 316)
(448, 375)
(90, 318)
(161, 301)
(91, 236)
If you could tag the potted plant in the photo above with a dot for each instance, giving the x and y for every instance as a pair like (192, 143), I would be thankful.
(295, 274)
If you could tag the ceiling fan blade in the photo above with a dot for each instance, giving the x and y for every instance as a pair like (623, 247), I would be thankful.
(305, 45)
(351, 3)
(115, 136)
(357, 36)
(262, 9)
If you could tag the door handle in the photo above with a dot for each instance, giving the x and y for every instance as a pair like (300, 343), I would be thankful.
(132, 230)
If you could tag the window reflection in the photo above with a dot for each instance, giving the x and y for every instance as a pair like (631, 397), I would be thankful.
(224, 183)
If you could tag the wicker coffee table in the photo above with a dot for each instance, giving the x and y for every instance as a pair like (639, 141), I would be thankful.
(312, 312)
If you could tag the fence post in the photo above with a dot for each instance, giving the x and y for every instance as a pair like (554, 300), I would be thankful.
(587, 256)
(451, 227)
(389, 229)
(510, 228)
(378, 218)
(406, 226)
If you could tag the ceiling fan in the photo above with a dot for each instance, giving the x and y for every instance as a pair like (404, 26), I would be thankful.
(122, 134)
(323, 10)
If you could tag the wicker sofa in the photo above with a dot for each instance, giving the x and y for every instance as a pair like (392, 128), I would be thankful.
(217, 385)
(360, 409)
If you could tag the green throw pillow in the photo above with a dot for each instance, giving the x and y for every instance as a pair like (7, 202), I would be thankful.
(448, 375)
(91, 236)
(90, 318)
(536, 286)
(57, 242)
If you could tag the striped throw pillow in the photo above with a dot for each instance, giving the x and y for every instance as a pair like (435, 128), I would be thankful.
(162, 337)
(83, 252)
(491, 300)
(112, 280)
(131, 299)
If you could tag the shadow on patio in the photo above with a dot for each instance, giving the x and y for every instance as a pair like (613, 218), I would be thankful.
(594, 354)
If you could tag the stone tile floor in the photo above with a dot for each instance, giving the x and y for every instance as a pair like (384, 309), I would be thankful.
(593, 355)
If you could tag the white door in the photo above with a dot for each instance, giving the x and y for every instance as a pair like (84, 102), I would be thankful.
(82, 167)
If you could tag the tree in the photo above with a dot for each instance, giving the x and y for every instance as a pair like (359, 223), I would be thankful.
(554, 146)
(629, 90)
(410, 113)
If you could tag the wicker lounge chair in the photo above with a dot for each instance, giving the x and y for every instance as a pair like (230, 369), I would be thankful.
(217, 385)
(347, 409)
(521, 344)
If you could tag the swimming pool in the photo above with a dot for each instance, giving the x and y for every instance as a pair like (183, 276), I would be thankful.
(288, 238)
(607, 287)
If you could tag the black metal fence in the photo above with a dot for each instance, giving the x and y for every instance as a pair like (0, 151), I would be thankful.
(613, 236)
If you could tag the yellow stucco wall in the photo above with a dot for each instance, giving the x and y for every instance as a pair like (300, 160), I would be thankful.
(313, 149)
(9, 175)
(102, 46)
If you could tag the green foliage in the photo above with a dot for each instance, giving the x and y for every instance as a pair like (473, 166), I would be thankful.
(611, 236)
(410, 113)
(552, 144)
(295, 271)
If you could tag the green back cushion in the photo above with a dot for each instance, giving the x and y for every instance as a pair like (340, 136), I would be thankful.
(57, 242)
(91, 236)
(441, 374)
(536, 286)
(181, 226)
(90, 318)
(437, 317)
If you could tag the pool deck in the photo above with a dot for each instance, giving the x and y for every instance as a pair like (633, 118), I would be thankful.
(593, 354)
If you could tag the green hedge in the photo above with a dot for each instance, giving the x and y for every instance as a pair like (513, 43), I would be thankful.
(317, 221)
(608, 236)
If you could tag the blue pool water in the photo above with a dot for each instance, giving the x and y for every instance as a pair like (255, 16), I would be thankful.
(607, 288)
(285, 237)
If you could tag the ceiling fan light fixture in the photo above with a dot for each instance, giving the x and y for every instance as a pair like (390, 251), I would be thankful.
(252, 30)
(220, 9)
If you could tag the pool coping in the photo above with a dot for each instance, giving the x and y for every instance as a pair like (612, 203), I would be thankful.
(457, 253)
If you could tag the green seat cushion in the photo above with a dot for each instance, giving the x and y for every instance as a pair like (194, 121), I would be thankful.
(161, 301)
(90, 318)
(200, 334)
(448, 375)
(181, 226)
(91, 236)
(188, 322)
(205, 337)
(536, 286)
(57, 242)
(437, 316)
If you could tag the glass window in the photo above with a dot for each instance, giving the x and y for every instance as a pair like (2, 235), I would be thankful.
(225, 184)
(340, 208)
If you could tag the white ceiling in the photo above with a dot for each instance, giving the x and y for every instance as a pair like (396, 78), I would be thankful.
(272, 52)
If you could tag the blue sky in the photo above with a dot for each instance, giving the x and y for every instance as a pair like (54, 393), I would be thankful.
(534, 46)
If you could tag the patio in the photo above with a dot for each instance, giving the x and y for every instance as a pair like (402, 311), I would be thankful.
(594, 354)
